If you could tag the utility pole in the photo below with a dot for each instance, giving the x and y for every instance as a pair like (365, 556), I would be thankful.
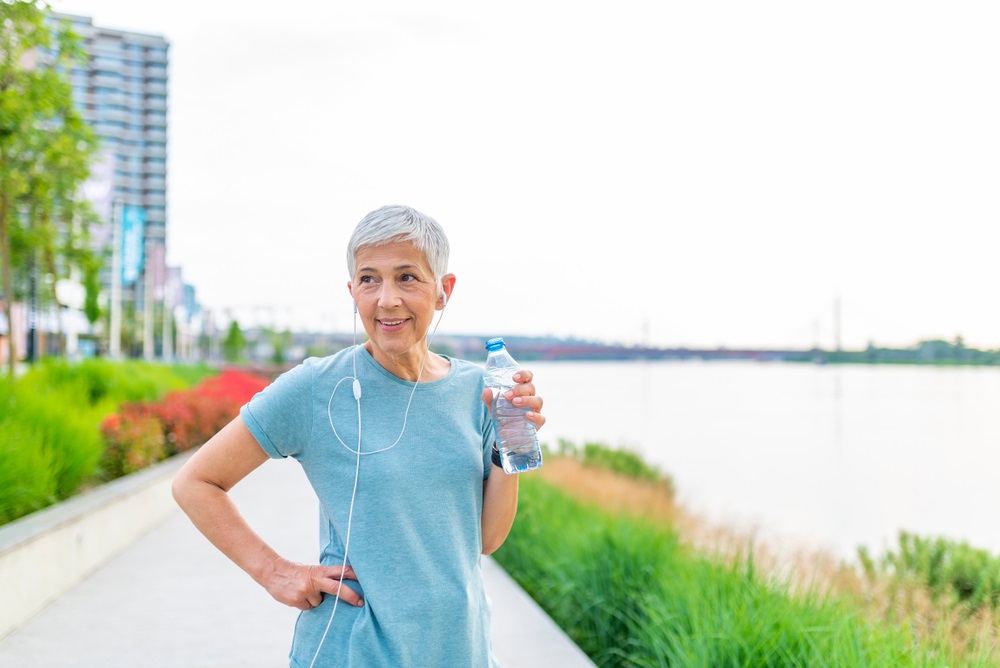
(32, 353)
(168, 322)
(115, 334)
(836, 323)
(148, 348)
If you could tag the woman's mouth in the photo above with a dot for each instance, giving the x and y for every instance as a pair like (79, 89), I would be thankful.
(392, 324)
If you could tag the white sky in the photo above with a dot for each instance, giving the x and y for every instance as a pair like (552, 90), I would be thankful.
(702, 174)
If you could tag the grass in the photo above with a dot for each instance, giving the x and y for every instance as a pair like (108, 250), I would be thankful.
(952, 571)
(630, 577)
(50, 439)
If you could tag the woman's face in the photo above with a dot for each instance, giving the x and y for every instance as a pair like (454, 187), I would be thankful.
(397, 295)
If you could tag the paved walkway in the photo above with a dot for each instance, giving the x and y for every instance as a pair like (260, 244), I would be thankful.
(171, 600)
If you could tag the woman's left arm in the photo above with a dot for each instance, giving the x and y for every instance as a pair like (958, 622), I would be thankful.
(500, 489)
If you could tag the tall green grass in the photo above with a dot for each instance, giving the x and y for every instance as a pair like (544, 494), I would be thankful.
(50, 440)
(953, 572)
(630, 593)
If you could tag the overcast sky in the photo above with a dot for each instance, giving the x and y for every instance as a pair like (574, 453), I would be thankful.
(701, 174)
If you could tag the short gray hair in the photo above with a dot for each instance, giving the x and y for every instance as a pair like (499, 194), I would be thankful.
(401, 223)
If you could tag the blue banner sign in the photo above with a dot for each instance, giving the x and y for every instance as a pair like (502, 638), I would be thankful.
(133, 227)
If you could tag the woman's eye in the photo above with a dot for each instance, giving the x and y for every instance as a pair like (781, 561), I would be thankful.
(406, 278)
(367, 279)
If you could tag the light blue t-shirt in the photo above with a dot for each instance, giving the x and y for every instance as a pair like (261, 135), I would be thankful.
(416, 538)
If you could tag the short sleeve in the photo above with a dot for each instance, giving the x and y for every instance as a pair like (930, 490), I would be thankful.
(280, 417)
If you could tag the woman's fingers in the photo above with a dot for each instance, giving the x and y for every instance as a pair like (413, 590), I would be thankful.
(523, 395)
(328, 581)
(302, 587)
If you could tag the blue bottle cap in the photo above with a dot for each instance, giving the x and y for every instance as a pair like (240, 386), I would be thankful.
(494, 344)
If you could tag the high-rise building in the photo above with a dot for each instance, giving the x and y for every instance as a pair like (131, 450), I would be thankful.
(121, 91)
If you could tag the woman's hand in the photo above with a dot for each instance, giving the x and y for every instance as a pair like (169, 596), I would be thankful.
(523, 395)
(302, 587)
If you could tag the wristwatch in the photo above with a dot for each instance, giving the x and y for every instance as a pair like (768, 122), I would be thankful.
(495, 456)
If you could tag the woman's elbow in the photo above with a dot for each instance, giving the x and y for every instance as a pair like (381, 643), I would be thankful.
(180, 489)
(492, 543)
(185, 489)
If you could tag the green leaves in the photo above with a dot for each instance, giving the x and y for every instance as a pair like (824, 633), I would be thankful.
(45, 152)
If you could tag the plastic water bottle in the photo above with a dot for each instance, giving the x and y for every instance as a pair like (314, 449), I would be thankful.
(516, 435)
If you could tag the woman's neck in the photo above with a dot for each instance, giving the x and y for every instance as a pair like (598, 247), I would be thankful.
(408, 365)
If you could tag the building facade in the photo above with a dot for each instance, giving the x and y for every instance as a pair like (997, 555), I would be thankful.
(122, 93)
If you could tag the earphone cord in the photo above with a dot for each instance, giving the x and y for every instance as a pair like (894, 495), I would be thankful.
(357, 465)
(357, 396)
(347, 544)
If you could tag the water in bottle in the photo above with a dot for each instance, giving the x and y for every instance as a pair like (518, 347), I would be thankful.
(516, 435)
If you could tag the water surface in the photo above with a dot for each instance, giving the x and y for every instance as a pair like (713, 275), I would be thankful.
(831, 457)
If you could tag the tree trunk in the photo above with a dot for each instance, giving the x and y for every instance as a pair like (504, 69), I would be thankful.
(50, 267)
(8, 277)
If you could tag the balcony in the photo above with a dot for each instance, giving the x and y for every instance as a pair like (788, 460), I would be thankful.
(152, 135)
(133, 183)
(153, 59)
(117, 115)
(154, 200)
(107, 81)
(154, 181)
(153, 88)
(105, 98)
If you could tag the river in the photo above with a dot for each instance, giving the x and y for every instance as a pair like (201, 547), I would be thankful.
(827, 457)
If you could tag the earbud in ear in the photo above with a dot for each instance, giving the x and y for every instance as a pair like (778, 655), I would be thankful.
(355, 306)
(444, 300)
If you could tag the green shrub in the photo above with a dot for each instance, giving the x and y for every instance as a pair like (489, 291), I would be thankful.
(619, 460)
(102, 383)
(949, 569)
(49, 423)
(50, 437)
(625, 462)
(27, 477)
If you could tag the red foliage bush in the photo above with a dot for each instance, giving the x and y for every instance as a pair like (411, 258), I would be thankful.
(182, 420)
(133, 440)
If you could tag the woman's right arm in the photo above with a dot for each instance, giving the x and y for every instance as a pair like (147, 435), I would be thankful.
(201, 489)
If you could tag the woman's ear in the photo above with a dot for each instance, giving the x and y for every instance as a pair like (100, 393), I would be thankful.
(447, 286)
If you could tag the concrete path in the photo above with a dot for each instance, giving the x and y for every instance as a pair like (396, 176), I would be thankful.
(171, 600)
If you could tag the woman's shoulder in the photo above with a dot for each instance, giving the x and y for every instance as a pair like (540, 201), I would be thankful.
(466, 371)
(319, 365)
(312, 368)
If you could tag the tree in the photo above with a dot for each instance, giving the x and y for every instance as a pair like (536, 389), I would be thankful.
(234, 344)
(45, 149)
(280, 343)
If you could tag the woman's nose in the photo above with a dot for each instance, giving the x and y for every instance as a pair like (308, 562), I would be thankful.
(388, 296)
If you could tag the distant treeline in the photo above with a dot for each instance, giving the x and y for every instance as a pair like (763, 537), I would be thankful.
(934, 351)
(529, 348)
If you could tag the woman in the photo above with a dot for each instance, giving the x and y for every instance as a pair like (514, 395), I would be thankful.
(398, 444)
